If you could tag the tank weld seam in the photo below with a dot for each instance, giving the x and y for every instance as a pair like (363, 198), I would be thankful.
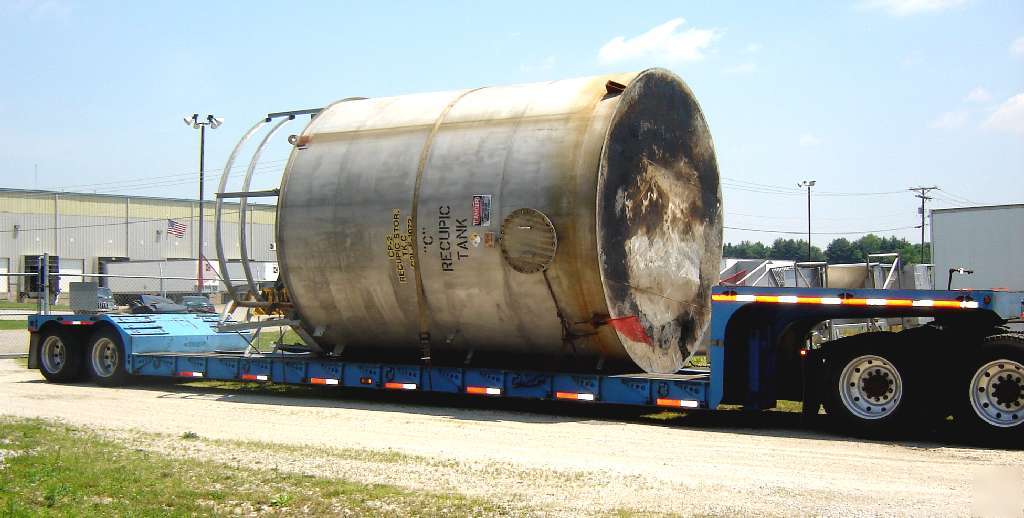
(421, 297)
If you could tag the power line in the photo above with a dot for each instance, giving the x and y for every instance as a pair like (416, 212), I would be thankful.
(843, 218)
(148, 183)
(118, 224)
(802, 233)
(149, 179)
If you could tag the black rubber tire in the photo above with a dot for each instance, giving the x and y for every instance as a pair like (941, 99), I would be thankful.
(119, 374)
(1008, 346)
(69, 367)
(888, 346)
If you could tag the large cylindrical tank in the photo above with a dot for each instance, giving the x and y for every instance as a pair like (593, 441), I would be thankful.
(575, 219)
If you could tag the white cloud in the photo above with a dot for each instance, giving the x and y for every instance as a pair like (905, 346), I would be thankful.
(753, 48)
(1009, 116)
(910, 7)
(808, 140)
(1017, 47)
(545, 64)
(978, 95)
(949, 120)
(741, 69)
(664, 42)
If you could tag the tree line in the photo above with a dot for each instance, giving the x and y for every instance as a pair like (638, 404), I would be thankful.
(840, 250)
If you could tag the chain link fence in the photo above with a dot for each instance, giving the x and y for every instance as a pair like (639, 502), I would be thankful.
(110, 293)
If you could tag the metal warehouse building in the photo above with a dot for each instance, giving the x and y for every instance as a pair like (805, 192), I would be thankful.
(89, 231)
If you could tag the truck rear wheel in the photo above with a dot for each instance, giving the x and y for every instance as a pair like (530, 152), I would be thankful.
(106, 358)
(60, 355)
(993, 407)
(868, 385)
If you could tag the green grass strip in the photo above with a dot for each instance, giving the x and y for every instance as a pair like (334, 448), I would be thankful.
(50, 469)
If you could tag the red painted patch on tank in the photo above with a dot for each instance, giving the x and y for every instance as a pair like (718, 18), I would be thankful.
(631, 328)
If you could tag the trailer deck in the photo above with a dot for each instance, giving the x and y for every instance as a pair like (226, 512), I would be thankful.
(193, 346)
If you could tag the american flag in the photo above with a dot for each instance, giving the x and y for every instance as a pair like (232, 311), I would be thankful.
(175, 228)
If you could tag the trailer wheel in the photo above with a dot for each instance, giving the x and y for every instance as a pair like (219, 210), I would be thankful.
(869, 385)
(106, 358)
(60, 355)
(993, 407)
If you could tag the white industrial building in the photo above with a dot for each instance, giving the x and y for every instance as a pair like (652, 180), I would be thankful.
(988, 240)
(87, 232)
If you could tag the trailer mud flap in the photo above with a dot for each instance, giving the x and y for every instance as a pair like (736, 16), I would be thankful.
(33, 351)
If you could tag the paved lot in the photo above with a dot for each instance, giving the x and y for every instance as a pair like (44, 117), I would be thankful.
(561, 459)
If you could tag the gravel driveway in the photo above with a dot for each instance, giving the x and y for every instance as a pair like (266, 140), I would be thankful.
(586, 462)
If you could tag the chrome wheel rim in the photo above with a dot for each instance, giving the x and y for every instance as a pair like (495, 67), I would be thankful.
(870, 387)
(53, 354)
(104, 357)
(997, 393)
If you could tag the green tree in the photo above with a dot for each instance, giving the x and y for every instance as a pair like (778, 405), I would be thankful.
(840, 250)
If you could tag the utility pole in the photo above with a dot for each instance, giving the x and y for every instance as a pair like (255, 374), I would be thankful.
(922, 192)
(196, 123)
(808, 184)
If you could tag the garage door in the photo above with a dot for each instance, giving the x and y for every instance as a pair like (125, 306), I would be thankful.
(70, 271)
(5, 285)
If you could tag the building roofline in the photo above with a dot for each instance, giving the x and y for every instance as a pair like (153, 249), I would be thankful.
(981, 207)
(42, 192)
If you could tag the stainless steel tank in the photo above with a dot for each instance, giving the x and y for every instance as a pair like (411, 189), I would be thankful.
(575, 219)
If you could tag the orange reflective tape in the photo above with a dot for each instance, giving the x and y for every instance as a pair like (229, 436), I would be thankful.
(483, 390)
(808, 300)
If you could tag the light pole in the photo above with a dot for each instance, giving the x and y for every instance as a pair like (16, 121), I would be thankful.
(808, 184)
(196, 123)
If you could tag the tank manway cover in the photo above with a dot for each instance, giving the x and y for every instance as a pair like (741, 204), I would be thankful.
(528, 241)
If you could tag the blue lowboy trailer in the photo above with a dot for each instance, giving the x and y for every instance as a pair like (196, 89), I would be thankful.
(968, 362)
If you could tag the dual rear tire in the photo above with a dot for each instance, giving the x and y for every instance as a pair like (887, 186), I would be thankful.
(886, 385)
(65, 357)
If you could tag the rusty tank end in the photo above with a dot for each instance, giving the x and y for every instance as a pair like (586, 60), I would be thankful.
(573, 224)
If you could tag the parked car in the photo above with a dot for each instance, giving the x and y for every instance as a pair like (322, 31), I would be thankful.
(149, 304)
(197, 304)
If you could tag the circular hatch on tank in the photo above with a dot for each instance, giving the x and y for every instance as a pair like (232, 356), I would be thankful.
(528, 241)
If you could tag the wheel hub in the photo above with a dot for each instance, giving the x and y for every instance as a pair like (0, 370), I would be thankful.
(997, 393)
(52, 354)
(1007, 391)
(104, 358)
(870, 387)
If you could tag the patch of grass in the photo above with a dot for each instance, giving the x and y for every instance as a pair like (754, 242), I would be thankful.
(30, 306)
(269, 337)
(8, 325)
(50, 469)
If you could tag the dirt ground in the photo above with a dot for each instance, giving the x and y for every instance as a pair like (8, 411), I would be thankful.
(560, 459)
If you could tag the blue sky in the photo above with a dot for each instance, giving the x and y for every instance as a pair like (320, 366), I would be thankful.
(863, 96)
